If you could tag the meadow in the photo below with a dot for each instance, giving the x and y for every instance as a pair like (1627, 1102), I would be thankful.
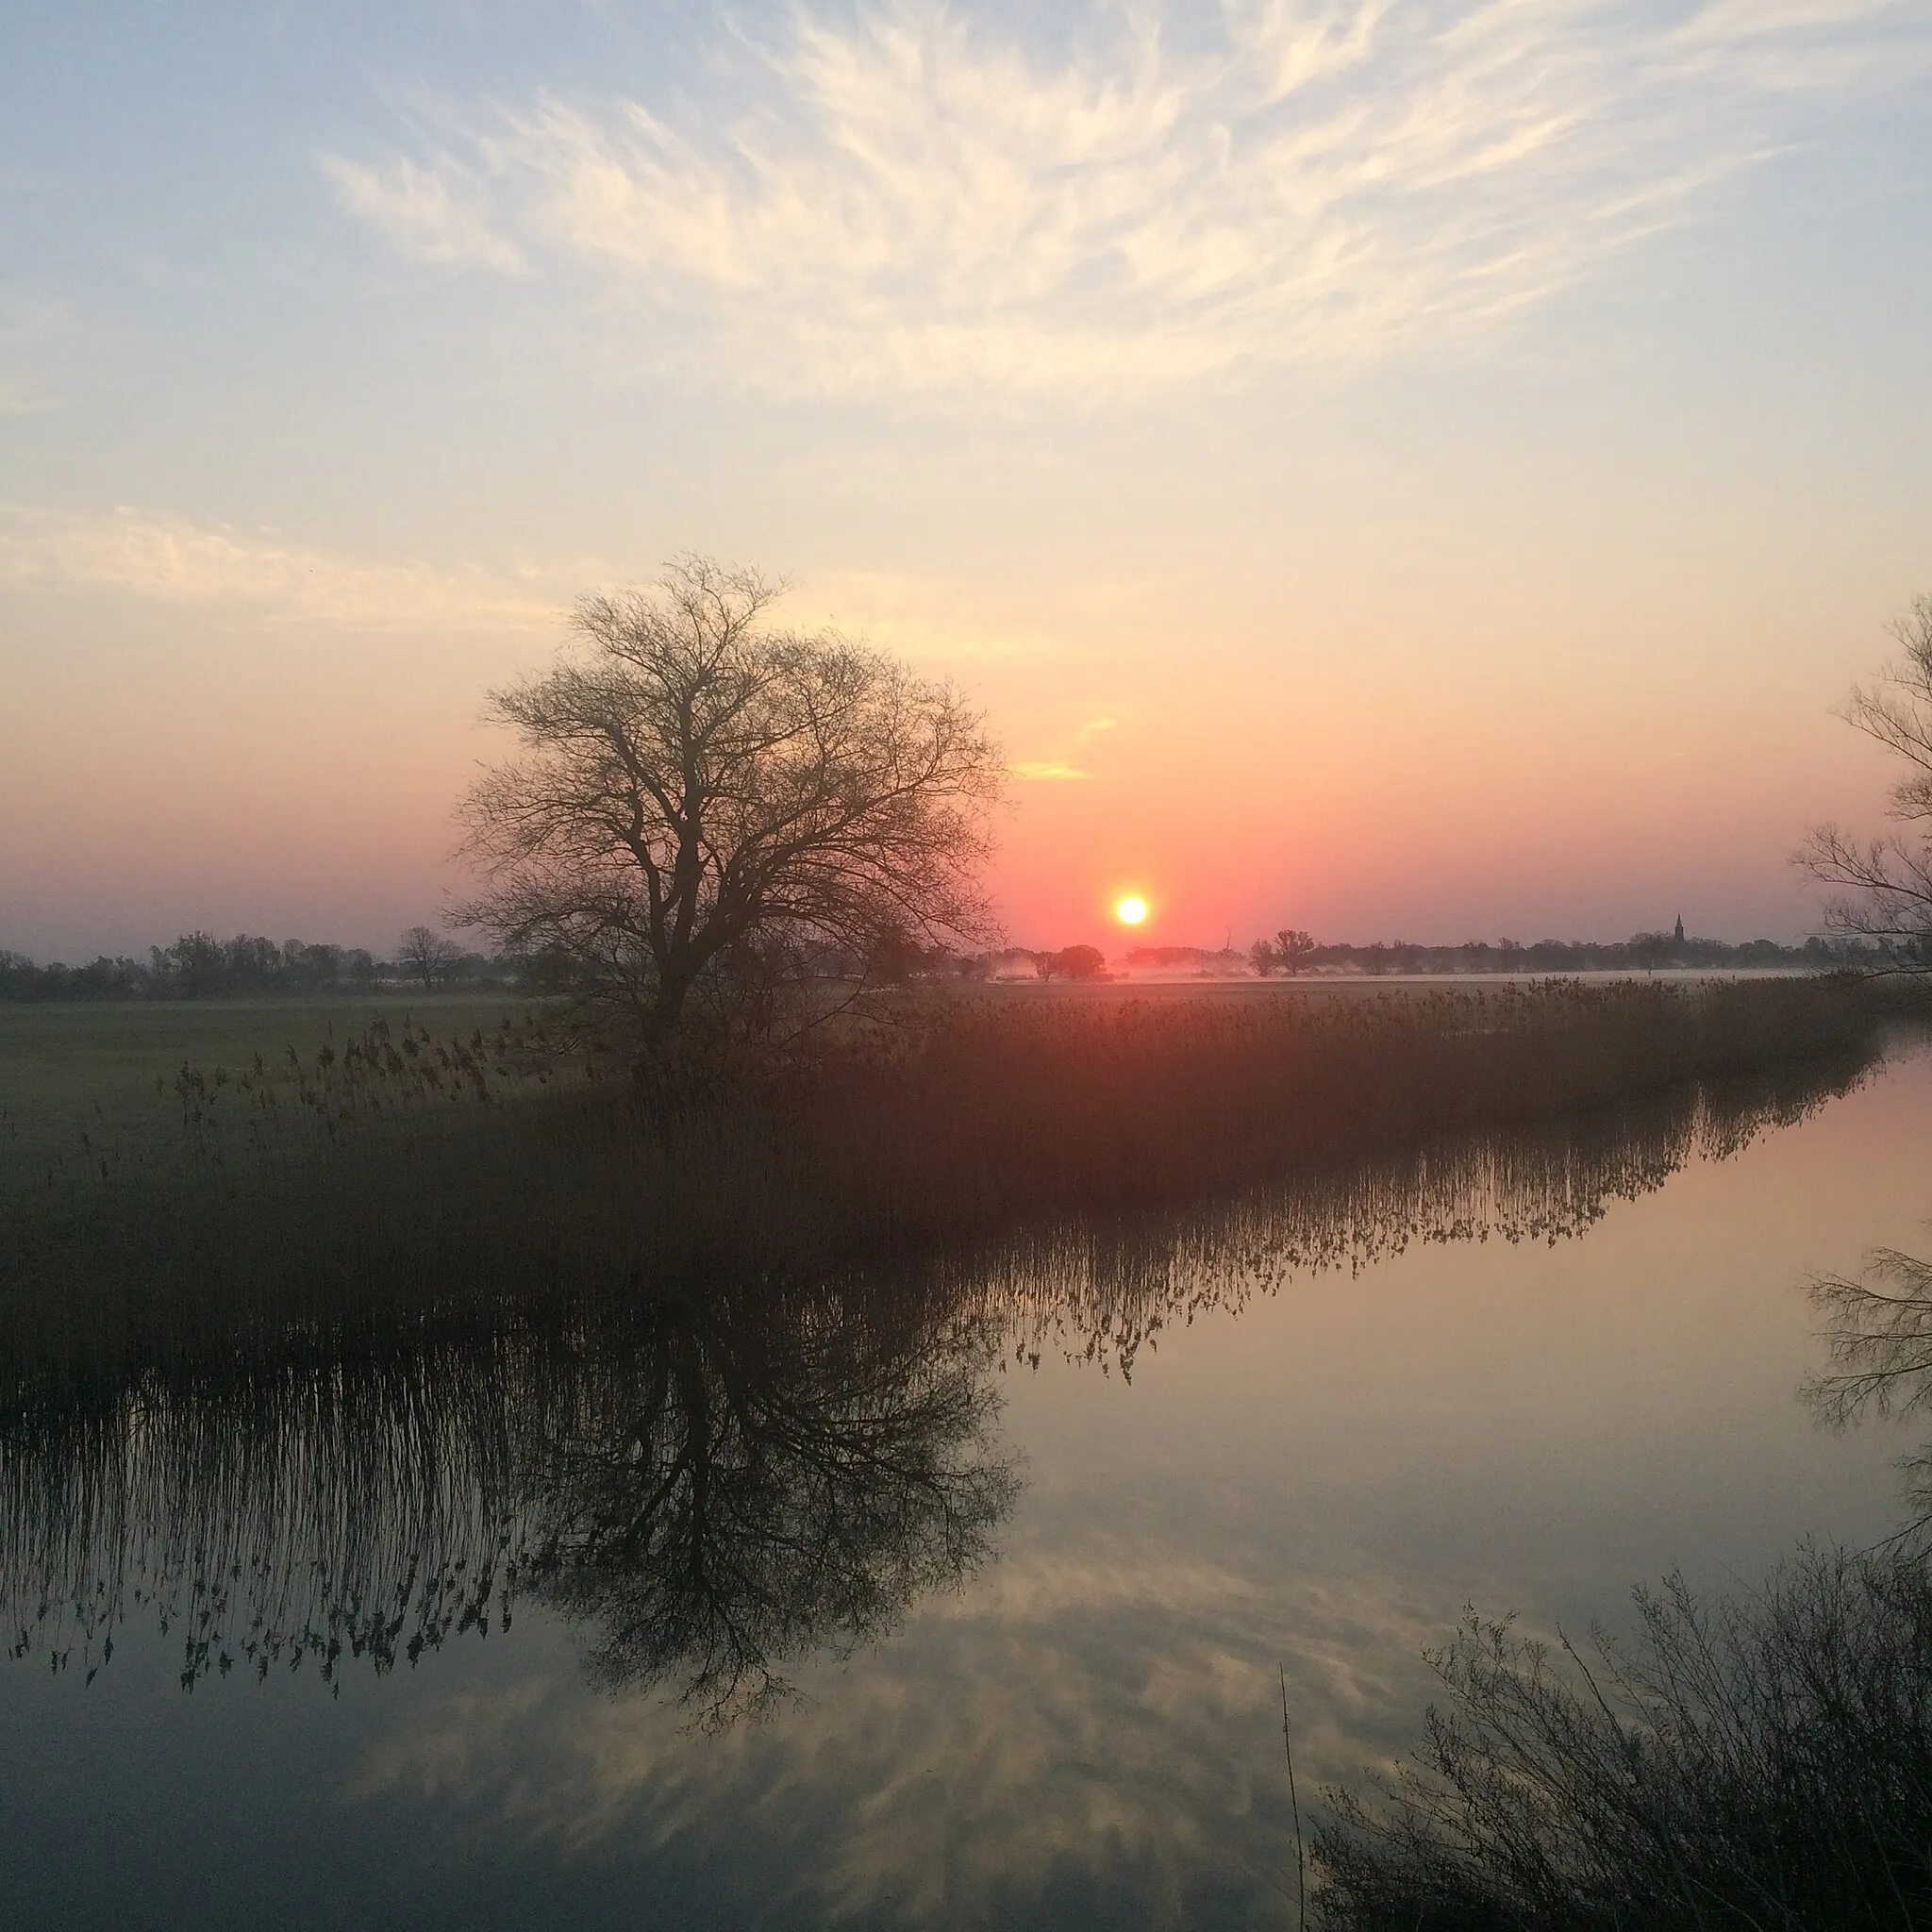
(89, 1068)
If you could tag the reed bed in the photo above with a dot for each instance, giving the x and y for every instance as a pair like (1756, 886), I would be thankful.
(395, 1182)
(995, 1109)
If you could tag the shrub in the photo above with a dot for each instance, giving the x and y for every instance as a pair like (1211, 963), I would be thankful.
(1763, 1764)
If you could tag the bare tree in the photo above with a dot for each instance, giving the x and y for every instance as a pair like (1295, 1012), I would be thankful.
(427, 956)
(707, 808)
(1886, 884)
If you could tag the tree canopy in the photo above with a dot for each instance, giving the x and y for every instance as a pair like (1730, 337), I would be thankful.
(709, 812)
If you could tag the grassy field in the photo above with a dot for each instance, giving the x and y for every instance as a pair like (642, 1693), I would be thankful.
(90, 1069)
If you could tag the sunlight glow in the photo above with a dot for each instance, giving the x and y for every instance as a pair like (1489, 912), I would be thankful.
(1130, 910)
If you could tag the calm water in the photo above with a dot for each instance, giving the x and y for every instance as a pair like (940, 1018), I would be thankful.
(956, 1606)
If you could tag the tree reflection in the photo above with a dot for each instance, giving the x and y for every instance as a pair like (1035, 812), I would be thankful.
(712, 1489)
(1879, 1331)
(752, 1489)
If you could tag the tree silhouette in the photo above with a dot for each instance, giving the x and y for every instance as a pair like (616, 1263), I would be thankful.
(1293, 947)
(1885, 885)
(705, 807)
(427, 956)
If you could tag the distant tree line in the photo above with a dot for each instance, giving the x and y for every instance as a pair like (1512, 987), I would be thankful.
(199, 966)
(1293, 951)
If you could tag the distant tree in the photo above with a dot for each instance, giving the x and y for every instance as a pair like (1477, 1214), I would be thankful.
(427, 955)
(706, 808)
(20, 978)
(897, 959)
(1080, 963)
(311, 969)
(1885, 886)
(1650, 950)
(1262, 955)
(1293, 947)
(194, 967)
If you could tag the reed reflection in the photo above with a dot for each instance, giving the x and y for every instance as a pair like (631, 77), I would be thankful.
(711, 1484)
(710, 1488)
(1104, 1287)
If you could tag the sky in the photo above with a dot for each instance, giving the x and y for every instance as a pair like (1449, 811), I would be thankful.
(1408, 468)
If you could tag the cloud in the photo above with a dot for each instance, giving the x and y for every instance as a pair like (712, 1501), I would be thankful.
(901, 202)
(1050, 769)
(177, 562)
(429, 211)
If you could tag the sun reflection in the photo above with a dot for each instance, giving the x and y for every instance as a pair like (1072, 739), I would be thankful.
(1130, 910)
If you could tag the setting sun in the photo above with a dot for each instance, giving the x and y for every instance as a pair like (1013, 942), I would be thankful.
(1130, 910)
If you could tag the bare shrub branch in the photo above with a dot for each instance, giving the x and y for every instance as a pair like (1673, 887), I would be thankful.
(1885, 885)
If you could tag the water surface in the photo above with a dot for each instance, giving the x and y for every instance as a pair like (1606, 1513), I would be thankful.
(952, 1600)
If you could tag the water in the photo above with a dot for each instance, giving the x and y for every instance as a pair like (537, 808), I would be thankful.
(956, 1602)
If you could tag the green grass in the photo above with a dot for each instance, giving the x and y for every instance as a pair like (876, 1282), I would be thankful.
(90, 1069)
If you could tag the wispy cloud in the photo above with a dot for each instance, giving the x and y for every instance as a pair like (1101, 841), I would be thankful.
(1051, 769)
(179, 561)
(433, 210)
(902, 202)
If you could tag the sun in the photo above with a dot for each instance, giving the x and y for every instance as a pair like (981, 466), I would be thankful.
(1130, 910)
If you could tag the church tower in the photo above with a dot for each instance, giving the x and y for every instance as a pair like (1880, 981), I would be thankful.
(1678, 935)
